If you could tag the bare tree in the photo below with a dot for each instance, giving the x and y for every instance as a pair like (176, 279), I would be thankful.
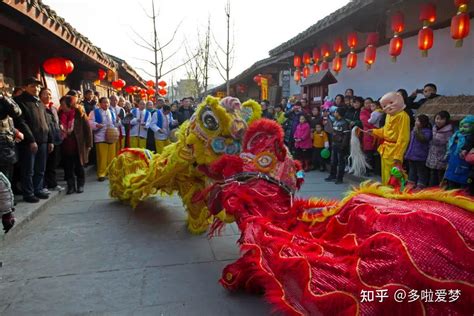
(198, 68)
(158, 49)
(224, 67)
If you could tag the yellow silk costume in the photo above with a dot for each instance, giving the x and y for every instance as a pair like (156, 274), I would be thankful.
(396, 136)
(213, 130)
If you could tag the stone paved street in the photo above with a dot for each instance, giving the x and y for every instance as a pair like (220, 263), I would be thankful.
(92, 255)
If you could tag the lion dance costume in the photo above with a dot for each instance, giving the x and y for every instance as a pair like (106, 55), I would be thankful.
(315, 256)
(216, 128)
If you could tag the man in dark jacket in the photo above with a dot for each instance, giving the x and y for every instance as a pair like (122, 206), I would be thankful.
(89, 103)
(340, 146)
(37, 144)
(186, 111)
(429, 91)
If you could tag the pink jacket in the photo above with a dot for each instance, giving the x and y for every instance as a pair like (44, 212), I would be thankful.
(303, 136)
(368, 142)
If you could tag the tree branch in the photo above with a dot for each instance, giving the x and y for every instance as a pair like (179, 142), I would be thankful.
(177, 67)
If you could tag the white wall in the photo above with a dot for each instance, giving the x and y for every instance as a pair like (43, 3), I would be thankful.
(450, 68)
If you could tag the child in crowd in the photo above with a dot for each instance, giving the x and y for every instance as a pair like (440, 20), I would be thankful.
(315, 117)
(6, 203)
(417, 152)
(280, 115)
(320, 141)
(340, 145)
(442, 132)
(376, 114)
(369, 146)
(458, 170)
(303, 142)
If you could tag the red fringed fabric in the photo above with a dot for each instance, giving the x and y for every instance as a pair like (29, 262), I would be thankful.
(371, 244)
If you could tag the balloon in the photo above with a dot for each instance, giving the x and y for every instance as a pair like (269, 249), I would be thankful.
(325, 153)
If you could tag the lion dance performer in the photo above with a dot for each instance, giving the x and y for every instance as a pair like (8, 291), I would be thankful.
(413, 251)
(215, 128)
(395, 134)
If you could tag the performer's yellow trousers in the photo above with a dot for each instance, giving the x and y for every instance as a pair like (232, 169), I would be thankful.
(137, 142)
(160, 144)
(387, 164)
(105, 154)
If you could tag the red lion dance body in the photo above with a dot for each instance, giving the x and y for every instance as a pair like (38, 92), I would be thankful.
(318, 257)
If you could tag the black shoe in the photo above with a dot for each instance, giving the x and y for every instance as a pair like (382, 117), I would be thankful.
(42, 195)
(101, 179)
(329, 179)
(70, 190)
(339, 181)
(80, 189)
(31, 199)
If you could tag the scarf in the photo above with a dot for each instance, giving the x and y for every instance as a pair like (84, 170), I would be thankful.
(67, 122)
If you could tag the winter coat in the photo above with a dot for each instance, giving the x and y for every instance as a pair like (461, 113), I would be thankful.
(184, 114)
(341, 135)
(376, 118)
(438, 147)
(303, 136)
(353, 116)
(458, 169)
(419, 144)
(34, 115)
(83, 134)
(368, 141)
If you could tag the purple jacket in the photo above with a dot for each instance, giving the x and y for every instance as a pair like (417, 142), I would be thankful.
(419, 145)
(438, 147)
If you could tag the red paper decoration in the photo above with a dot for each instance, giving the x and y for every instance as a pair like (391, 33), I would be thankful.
(306, 58)
(352, 40)
(162, 83)
(425, 40)
(316, 55)
(150, 91)
(396, 43)
(162, 92)
(460, 23)
(351, 62)
(427, 13)
(338, 45)
(337, 64)
(150, 83)
(395, 47)
(297, 61)
(59, 67)
(119, 84)
(315, 68)
(297, 75)
(398, 22)
(370, 55)
(130, 89)
(325, 51)
(101, 74)
(306, 72)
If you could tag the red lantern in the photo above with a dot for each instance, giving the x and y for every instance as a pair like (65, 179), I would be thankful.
(324, 66)
(337, 64)
(395, 47)
(119, 84)
(425, 40)
(352, 40)
(101, 74)
(59, 67)
(338, 45)
(460, 27)
(398, 22)
(372, 39)
(297, 75)
(315, 68)
(306, 72)
(150, 83)
(427, 13)
(316, 55)
(306, 58)
(370, 55)
(459, 3)
(150, 91)
(162, 84)
(130, 89)
(351, 62)
(297, 61)
(325, 52)
(162, 92)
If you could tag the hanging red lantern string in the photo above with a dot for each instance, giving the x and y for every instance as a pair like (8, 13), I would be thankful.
(396, 43)
(425, 35)
(371, 49)
(130, 89)
(297, 75)
(306, 58)
(306, 71)
(150, 83)
(337, 64)
(338, 46)
(59, 67)
(162, 92)
(460, 23)
(352, 41)
(162, 83)
(150, 91)
(297, 61)
(325, 51)
(316, 55)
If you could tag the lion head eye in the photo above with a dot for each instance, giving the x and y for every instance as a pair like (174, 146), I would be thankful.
(209, 120)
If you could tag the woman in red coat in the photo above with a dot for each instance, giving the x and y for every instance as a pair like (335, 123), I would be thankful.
(369, 145)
